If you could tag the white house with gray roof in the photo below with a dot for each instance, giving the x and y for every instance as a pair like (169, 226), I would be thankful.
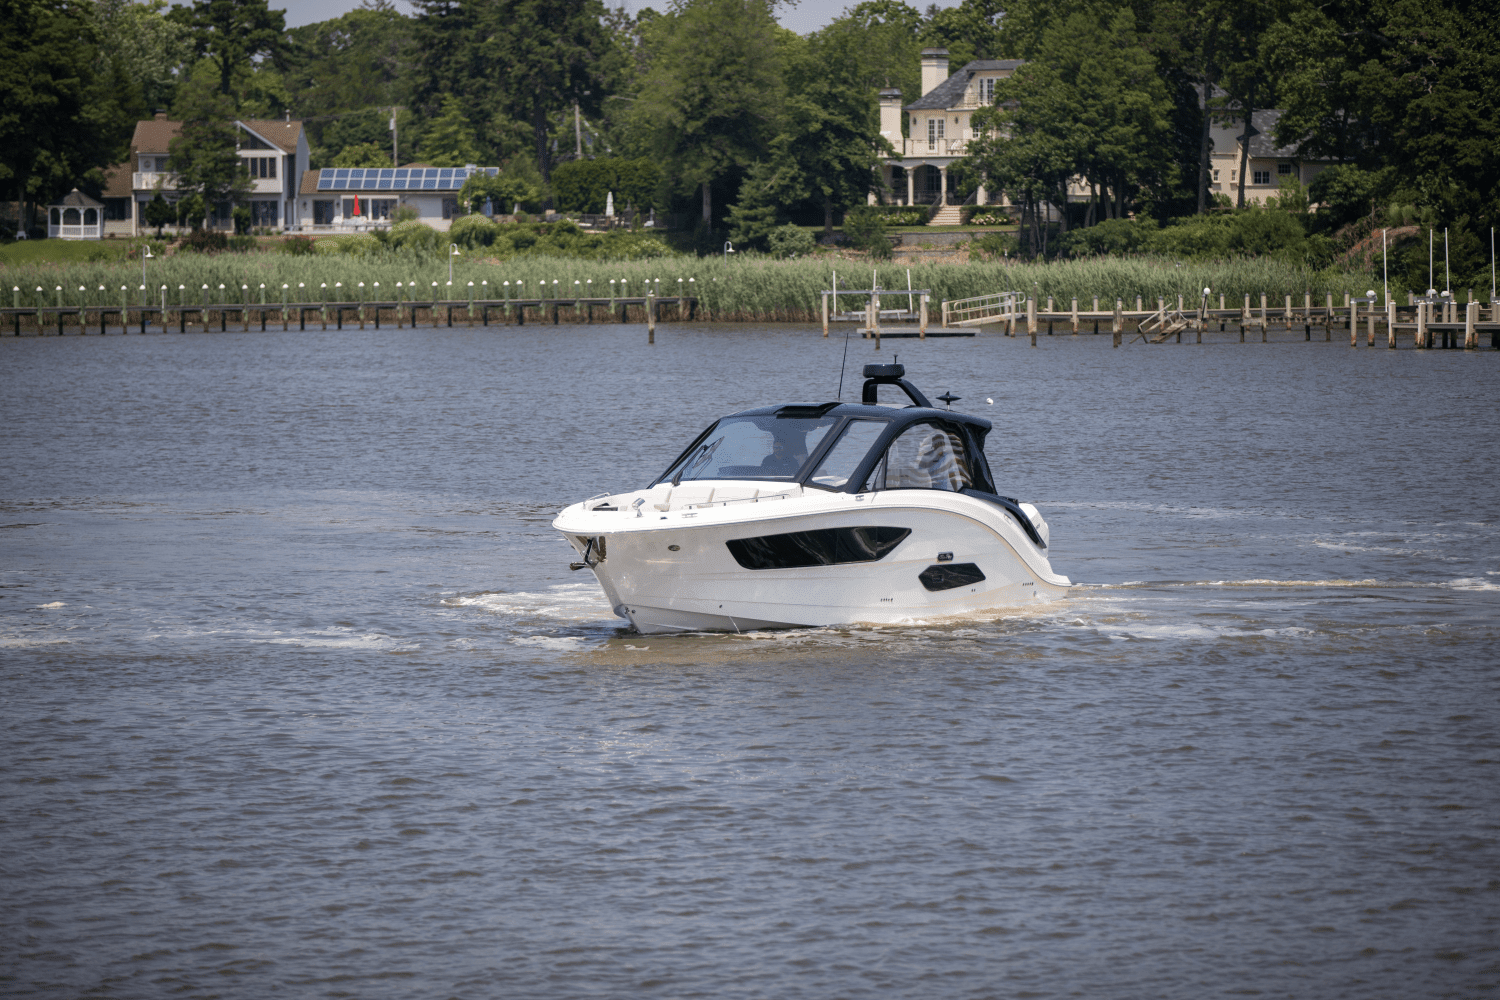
(1268, 165)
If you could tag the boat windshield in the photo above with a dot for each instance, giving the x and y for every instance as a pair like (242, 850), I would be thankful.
(760, 447)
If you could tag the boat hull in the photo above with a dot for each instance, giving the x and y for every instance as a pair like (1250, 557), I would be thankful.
(673, 569)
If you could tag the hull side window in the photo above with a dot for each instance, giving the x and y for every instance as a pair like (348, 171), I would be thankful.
(823, 547)
(950, 576)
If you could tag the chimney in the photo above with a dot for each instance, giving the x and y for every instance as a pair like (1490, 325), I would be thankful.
(160, 115)
(934, 69)
(890, 116)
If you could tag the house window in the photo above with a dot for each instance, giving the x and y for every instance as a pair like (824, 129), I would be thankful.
(370, 209)
(323, 213)
(450, 207)
(1262, 177)
(261, 166)
(934, 131)
(987, 91)
(1284, 169)
(1216, 177)
(116, 209)
(263, 213)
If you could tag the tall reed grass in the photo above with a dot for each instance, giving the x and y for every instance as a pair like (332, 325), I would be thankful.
(747, 288)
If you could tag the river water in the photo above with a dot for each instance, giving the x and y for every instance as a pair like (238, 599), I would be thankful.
(300, 698)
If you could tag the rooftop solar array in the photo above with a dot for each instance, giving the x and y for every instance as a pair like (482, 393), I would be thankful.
(397, 178)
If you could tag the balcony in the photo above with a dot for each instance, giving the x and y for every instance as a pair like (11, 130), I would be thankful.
(143, 180)
(934, 147)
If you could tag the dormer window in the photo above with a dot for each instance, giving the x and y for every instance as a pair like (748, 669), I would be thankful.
(987, 90)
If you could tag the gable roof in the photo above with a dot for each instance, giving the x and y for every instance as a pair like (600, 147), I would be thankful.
(281, 134)
(154, 135)
(950, 93)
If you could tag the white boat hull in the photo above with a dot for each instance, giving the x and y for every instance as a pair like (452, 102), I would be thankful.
(667, 568)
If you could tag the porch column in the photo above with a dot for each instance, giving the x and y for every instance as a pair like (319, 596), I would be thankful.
(983, 198)
(942, 185)
(910, 187)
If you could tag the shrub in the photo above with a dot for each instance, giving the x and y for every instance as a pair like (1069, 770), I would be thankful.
(415, 236)
(298, 246)
(790, 241)
(992, 245)
(205, 241)
(1113, 236)
(865, 230)
(900, 215)
(473, 231)
(243, 244)
(406, 213)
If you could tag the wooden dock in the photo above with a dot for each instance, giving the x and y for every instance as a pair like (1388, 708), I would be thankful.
(400, 313)
(1432, 323)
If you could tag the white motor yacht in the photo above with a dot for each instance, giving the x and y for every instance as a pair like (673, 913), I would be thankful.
(818, 514)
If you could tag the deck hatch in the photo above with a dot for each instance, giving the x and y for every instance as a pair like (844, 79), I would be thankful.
(950, 576)
(822, 547)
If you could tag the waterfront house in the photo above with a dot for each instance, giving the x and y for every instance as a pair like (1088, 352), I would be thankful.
(274, 154)
(1268, 165)
(354, 199)
(940, 127)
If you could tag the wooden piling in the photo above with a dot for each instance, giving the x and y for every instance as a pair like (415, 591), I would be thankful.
(1031, 319)
(1422, 324)
(1119, 324)
(1353, 322)
(825, 312)
(651, 317)
(922, 317)
(1390, 324)
(1471, 319)
(1075, 315)
(1264, 323)
(1244, 317)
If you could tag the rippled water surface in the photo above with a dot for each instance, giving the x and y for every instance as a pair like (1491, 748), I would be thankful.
(299, 698)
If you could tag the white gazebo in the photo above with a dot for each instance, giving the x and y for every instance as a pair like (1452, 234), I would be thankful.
(75, 216)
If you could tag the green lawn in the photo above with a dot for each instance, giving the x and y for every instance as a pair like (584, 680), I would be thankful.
(62, 251)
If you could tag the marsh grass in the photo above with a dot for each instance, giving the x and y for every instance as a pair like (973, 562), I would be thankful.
(746, 288)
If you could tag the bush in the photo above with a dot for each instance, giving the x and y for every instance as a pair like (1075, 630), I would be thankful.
(243, 244)
(790, 241)
(415, 236)
(900, 215)
(298, 246)
(406, 213)
(585, 185)
(473, 231)
(865, 230)
(992, 245)
(1111, 237)
(205, 241)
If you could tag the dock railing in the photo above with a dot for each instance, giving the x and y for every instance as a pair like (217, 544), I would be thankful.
(981, 309)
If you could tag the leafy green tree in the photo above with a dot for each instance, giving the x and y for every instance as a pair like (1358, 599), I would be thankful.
(61, 116)
(150, 48)
(362, 154)
(232, 33)
(206, 159)
(969, 31)
(504, 191)
(713, 91)
(525, 60)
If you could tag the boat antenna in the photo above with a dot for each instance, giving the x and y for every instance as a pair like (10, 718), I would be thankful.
(843, 364)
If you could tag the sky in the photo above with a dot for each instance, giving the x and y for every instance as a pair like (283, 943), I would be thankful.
(801, 17)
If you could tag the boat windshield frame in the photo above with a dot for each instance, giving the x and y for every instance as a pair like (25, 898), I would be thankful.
(973, 429)
(678, 472)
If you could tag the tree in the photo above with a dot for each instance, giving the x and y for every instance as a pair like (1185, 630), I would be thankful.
(525, 60)
(206, 158)
(61, 115)
(827, 143)
(158, 213)
(363, 154)
(149, 48)
(713, 90)
(449, 140)
(503, 191)
(232, 33)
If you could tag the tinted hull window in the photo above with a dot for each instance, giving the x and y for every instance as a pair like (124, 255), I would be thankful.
(950, 576)
(824, 547)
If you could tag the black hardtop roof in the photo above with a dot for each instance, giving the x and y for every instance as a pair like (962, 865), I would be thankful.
(904, 415)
